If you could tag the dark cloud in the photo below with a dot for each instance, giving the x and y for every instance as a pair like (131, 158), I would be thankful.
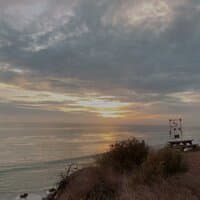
(111, 47)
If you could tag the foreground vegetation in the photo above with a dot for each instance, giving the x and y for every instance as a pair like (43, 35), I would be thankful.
(129, 170)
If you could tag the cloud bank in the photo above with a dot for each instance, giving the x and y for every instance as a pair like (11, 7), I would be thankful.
(142, 56)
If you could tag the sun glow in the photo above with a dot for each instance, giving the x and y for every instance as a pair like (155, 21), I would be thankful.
(106, 108)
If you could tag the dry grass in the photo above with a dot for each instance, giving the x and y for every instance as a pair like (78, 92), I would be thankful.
(91, 182)
(185, 186)
(156, 176)
(160, 164)
(124, 155)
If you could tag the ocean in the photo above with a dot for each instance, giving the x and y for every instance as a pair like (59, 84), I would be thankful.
(32, 156)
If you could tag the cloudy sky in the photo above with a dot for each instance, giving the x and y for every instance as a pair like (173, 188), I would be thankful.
(99, 61)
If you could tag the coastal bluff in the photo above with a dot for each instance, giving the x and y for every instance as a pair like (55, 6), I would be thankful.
(93, 183)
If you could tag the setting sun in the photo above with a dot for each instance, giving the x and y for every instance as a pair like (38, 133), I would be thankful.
(106, 108)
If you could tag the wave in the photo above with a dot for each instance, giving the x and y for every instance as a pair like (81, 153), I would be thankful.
(41, 165)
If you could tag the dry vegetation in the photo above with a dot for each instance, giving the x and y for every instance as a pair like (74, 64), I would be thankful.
(125, 155)
(130, 171)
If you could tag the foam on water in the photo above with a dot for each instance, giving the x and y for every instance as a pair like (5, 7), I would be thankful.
(31, 196)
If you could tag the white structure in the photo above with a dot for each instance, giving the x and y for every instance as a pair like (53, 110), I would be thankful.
(175, 128)
(176, 136)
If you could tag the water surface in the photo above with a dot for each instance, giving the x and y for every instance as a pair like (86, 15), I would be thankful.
(33, 155)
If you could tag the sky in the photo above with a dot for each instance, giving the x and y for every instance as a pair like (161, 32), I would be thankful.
(99, 61)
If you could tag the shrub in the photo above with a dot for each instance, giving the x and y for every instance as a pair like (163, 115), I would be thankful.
(102, 191)
(125, 155)
(162, 163)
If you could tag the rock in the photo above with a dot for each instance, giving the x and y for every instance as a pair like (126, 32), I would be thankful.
(51, 190)
(29, 196)
(23, 196)
(51, 193)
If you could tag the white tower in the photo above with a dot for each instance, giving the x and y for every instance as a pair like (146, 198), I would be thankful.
(175, 128)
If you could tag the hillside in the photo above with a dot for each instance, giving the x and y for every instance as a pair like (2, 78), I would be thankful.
(179, 187)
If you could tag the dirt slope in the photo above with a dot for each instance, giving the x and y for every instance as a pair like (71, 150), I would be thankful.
(180, 187)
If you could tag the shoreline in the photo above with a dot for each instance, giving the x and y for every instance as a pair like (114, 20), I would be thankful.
(43, 191)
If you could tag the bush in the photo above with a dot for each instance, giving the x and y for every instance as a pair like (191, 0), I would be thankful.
(125, 155)
(101, 191)
(163, 163)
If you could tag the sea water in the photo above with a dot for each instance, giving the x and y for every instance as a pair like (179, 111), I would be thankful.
(32, 156)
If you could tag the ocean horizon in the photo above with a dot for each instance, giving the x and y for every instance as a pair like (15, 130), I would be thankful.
(33, 156)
